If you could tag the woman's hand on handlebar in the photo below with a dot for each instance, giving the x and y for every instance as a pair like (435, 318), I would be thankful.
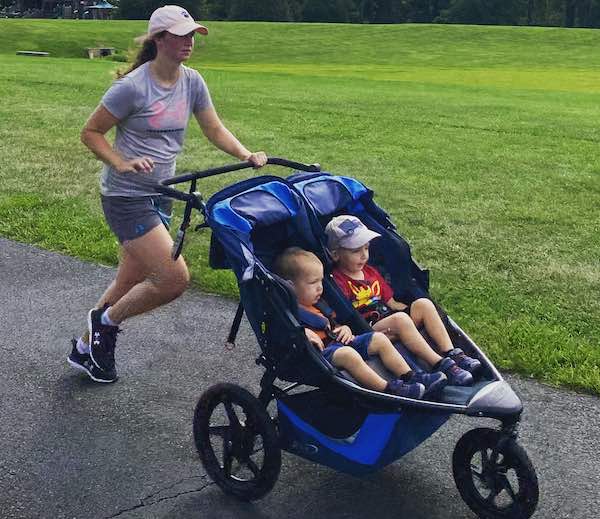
(258, 159)
(137, 165)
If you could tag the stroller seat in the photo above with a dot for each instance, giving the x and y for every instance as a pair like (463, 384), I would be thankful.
(331, 195)
(255, 221)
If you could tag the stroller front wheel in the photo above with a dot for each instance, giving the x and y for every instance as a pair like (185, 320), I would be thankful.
(237, 441)
(494, 475)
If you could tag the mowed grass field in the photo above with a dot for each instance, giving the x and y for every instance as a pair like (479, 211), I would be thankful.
(481, 142)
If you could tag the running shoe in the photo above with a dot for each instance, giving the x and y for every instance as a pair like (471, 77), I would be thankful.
(406, 389)
(103, 340)
(83, 362)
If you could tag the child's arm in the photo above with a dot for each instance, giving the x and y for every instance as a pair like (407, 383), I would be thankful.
(395, 305)
(314, 338)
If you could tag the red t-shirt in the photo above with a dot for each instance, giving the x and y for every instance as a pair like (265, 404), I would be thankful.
(364, 292)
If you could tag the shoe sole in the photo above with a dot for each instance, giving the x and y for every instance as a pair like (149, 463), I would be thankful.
(436, 386)
(89, 373)
(468, 382)
(422, 391)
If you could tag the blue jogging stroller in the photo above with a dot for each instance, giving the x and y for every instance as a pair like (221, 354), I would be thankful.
(305, 405)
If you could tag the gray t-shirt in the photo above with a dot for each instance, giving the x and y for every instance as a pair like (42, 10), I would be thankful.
(152, 123)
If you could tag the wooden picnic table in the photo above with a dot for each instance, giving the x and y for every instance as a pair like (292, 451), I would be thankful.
(99, 52)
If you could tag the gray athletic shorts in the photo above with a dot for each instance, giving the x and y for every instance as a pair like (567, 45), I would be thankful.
(132, 217)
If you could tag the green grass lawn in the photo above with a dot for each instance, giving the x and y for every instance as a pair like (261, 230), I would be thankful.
(482, 143)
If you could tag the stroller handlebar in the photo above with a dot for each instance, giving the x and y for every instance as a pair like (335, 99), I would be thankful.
(163, 188)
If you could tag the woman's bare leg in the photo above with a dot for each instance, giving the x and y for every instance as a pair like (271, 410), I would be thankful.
(164, 279)
(129, 273)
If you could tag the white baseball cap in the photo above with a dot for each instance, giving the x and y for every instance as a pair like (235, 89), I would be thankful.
(348, 232)
(173, 19)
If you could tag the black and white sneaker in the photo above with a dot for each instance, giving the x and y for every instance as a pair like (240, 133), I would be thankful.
(83, 362)
(103, 340)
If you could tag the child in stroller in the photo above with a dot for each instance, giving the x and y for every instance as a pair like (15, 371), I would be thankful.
(348, 240)
(339, 346)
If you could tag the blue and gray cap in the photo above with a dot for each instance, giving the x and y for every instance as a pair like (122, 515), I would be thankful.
(348, 232)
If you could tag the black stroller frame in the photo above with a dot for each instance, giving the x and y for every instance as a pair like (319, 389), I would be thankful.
(335, 421)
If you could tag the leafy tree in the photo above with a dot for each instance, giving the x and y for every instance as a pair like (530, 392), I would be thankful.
(334, 11)
(265, 10)
(498, 12)
(383, 11)
(216, 9)
(142, 9)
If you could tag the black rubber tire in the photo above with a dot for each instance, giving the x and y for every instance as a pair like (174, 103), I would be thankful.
(512, 467)
(238, 440)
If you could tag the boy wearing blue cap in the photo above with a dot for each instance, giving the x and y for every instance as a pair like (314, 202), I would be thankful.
(348, 240)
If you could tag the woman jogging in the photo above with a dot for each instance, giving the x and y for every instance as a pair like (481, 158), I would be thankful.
(150, 106)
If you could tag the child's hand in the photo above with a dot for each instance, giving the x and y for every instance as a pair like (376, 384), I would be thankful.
(314, 339)
(396, 305)
(344, 334)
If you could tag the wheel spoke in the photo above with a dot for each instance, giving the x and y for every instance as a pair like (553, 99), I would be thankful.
(508, 487)
(493, 495)
(485, 460)
(233, 419)
(478, 475)
(253, 467)
(227, 461)
(219, 430)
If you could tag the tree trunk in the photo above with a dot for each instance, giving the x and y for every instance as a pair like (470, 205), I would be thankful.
(530, 9)
(570, 13)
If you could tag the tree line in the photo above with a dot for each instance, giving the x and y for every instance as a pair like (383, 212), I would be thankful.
(567, 13)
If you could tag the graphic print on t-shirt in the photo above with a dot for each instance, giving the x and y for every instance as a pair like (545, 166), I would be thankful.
(168, 118)
(365, 293)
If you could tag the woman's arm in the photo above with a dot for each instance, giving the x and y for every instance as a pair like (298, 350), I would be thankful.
(93, 136)
(222, 138)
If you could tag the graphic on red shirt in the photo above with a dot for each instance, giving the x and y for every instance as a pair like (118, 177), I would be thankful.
(364, 293)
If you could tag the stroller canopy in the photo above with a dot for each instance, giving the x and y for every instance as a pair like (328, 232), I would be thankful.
(254, 221)
(330, 195)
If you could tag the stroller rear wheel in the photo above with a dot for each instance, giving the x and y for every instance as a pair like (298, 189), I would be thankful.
(494, 475)
(237, 441)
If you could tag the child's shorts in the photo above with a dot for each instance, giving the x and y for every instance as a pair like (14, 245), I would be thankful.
(360, 344)
(132, 217)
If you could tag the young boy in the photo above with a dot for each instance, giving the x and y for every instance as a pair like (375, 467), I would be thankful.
(339, 346)
(348, 240)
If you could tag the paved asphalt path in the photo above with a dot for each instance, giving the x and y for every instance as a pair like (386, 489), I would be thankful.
(70, 448)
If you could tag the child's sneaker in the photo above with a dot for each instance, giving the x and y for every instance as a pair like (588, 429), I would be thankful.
(456, 376)
(103, 340)
(406, 389)
(83, 362)
(432, 381)
(464, 361)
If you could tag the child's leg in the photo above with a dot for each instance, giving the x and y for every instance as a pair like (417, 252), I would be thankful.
(391, 359)
(399, 326)
(423, 312)
(349, 359)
